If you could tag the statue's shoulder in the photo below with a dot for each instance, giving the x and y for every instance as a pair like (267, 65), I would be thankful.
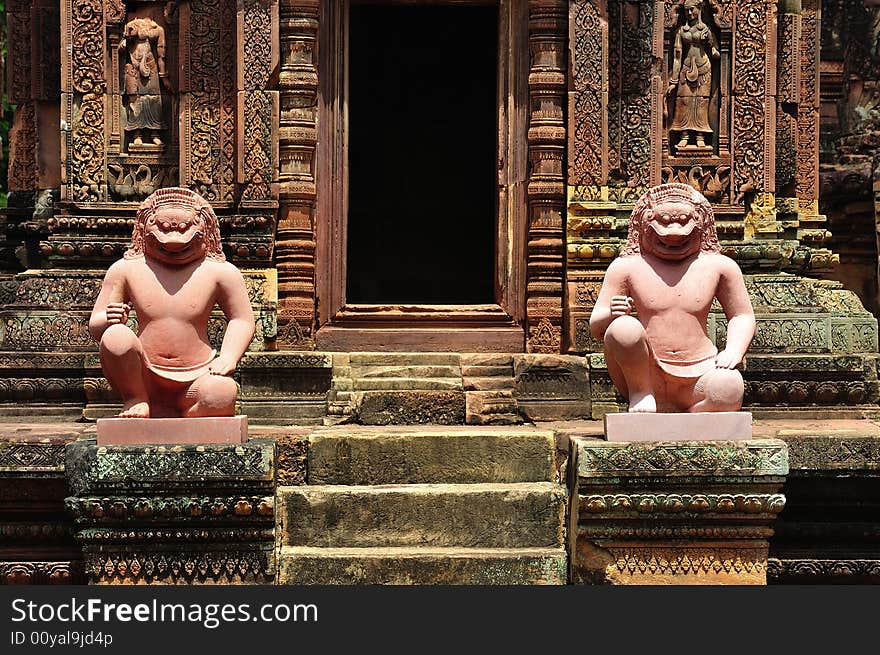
(223, 269)
(720, 262)
(123, 266)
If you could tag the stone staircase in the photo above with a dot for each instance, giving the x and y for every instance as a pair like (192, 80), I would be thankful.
(425, 505)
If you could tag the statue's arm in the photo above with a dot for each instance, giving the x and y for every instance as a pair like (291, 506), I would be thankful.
(611, 299)
(233, 300)
(110, 307)
(734, 299)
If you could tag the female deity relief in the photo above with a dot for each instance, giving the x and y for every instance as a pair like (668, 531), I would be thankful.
(145, 74)
(690, 79)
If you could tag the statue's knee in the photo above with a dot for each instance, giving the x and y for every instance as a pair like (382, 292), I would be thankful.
(725, 389)
(118, 340)
(217, 393)
(624, 333)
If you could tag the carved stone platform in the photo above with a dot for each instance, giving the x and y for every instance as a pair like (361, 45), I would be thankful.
(699, 512)
(707, 426)
(185, 515)
(167, 431)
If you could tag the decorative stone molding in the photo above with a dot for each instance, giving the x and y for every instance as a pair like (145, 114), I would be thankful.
(675, 512)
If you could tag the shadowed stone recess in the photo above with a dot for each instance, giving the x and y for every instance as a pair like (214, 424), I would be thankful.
(412, 407)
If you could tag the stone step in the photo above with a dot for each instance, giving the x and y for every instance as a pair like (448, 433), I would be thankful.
(452, 372)
(404, 359)
(518, 515)
(399, 566)
(407, 384)
(413, 455)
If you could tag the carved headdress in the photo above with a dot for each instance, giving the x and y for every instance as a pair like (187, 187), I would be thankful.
(184, 199)
(672, 192)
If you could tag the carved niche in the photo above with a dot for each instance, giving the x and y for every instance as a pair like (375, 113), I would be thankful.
(696, 101)
(158, 94)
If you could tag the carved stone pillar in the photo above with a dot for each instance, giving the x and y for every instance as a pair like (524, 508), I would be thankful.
(546, 184)
(295, 241)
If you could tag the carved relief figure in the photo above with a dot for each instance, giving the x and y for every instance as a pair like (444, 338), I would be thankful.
(145, 75)
(690, 78)
(173, 274)
(669, 273)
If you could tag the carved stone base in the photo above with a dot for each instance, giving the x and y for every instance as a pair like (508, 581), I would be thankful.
(146, 148)
(674, 513)
(712, 426)
(174, 515)
(165, 431)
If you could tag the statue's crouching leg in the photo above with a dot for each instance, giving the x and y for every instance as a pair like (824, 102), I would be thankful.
(211, 395)
(629, 362)
(722, 391)
(122, 362)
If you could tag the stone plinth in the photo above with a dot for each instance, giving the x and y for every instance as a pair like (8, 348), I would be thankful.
(830, 529)
(186, 514)
(707, 426)
(168, 431)
(699, 512)
(36, 538)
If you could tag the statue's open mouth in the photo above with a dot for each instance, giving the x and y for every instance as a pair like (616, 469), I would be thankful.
(175, 245)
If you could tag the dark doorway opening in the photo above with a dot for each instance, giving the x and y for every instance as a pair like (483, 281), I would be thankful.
(421, 154)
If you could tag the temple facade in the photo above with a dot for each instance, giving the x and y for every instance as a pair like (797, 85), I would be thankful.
(424, 197)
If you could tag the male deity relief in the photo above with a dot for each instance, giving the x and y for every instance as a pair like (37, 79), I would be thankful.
(173, 274)
(661, 359)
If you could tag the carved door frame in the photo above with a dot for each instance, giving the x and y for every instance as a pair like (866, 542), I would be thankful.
(466, 328)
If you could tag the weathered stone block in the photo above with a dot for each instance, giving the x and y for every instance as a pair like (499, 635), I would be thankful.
(406, 384)
(488, 384)
(552, 387)
(285, 386)
(411, 407)
(292, 452)
(488, 360)
(491, 408)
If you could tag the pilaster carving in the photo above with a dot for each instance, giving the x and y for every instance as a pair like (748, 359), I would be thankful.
(588, 93)
(208, 100)
(83, 101)
(754, 81)
(257, 106)
(295, 240)
(808, 111)
(548, 21)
